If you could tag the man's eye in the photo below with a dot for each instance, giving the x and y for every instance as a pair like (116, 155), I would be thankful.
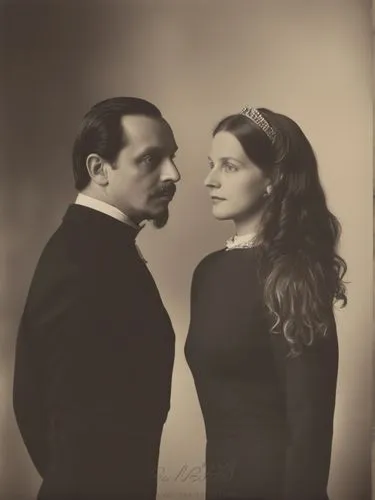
(150, 160)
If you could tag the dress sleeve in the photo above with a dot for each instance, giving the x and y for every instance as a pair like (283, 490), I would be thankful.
(309, 385)
(199, 275)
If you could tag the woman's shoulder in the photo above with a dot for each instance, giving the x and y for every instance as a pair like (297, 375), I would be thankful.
(207, 262)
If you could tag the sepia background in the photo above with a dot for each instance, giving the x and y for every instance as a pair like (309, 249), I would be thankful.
(198, 60)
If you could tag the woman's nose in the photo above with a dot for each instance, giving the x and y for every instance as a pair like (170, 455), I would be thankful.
(212, 179)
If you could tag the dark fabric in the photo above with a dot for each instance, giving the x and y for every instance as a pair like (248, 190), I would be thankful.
(268, 417)
(94, 359)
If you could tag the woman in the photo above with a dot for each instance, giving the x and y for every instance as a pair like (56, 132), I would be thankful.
(262, 343)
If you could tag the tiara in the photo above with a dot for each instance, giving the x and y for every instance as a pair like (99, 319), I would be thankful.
(255, 116)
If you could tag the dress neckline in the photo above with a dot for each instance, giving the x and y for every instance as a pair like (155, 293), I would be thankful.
(241, 241)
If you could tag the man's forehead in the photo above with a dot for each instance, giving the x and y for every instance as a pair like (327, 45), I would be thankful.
(141, 130)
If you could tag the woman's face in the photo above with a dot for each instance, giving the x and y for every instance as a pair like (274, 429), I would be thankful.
(236, 185)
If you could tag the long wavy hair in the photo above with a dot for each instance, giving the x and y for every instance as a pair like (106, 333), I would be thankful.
(300, 268)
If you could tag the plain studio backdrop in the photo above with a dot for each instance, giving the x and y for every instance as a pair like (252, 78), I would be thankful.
(198, 60)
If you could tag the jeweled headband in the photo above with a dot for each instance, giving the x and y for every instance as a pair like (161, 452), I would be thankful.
(255, 116)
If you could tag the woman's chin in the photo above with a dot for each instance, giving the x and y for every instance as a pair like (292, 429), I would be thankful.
(221, 214)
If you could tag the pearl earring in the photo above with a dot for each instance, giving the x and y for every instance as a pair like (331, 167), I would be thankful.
(268, 190)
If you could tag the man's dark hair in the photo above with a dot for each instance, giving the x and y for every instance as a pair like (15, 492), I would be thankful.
(101, 132)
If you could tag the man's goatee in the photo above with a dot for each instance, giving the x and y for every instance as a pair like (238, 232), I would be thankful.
(161, 220)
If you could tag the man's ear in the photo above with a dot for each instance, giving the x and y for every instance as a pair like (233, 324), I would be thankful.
(97, 169)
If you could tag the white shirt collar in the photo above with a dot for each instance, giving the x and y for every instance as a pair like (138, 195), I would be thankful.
(105, 208)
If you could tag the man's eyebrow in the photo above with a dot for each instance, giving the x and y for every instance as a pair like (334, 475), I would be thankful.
(149, 150)
(155, 150)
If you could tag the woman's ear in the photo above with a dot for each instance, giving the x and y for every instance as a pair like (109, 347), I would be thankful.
(269, 189)
(97, 170)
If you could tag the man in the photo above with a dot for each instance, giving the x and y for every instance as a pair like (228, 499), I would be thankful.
(95, 349)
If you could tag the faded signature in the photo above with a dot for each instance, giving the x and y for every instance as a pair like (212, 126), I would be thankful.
(195, 473)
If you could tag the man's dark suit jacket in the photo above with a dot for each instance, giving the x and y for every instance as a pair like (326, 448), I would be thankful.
(94, 359)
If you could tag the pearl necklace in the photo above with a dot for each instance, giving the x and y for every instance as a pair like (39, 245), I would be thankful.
(243, 241)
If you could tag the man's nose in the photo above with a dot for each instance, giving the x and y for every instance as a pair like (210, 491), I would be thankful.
(170, 172)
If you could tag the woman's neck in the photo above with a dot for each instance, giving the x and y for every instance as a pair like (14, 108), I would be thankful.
(247, 227)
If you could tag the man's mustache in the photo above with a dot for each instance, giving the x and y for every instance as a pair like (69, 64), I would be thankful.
(166, 190)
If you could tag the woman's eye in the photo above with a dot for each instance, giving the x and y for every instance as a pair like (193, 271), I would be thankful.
(210, 165)
(229, 168)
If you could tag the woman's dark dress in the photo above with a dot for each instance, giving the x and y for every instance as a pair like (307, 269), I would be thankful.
(268, 417)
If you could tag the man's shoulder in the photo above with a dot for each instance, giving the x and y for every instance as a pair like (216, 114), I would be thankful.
(83, 246)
